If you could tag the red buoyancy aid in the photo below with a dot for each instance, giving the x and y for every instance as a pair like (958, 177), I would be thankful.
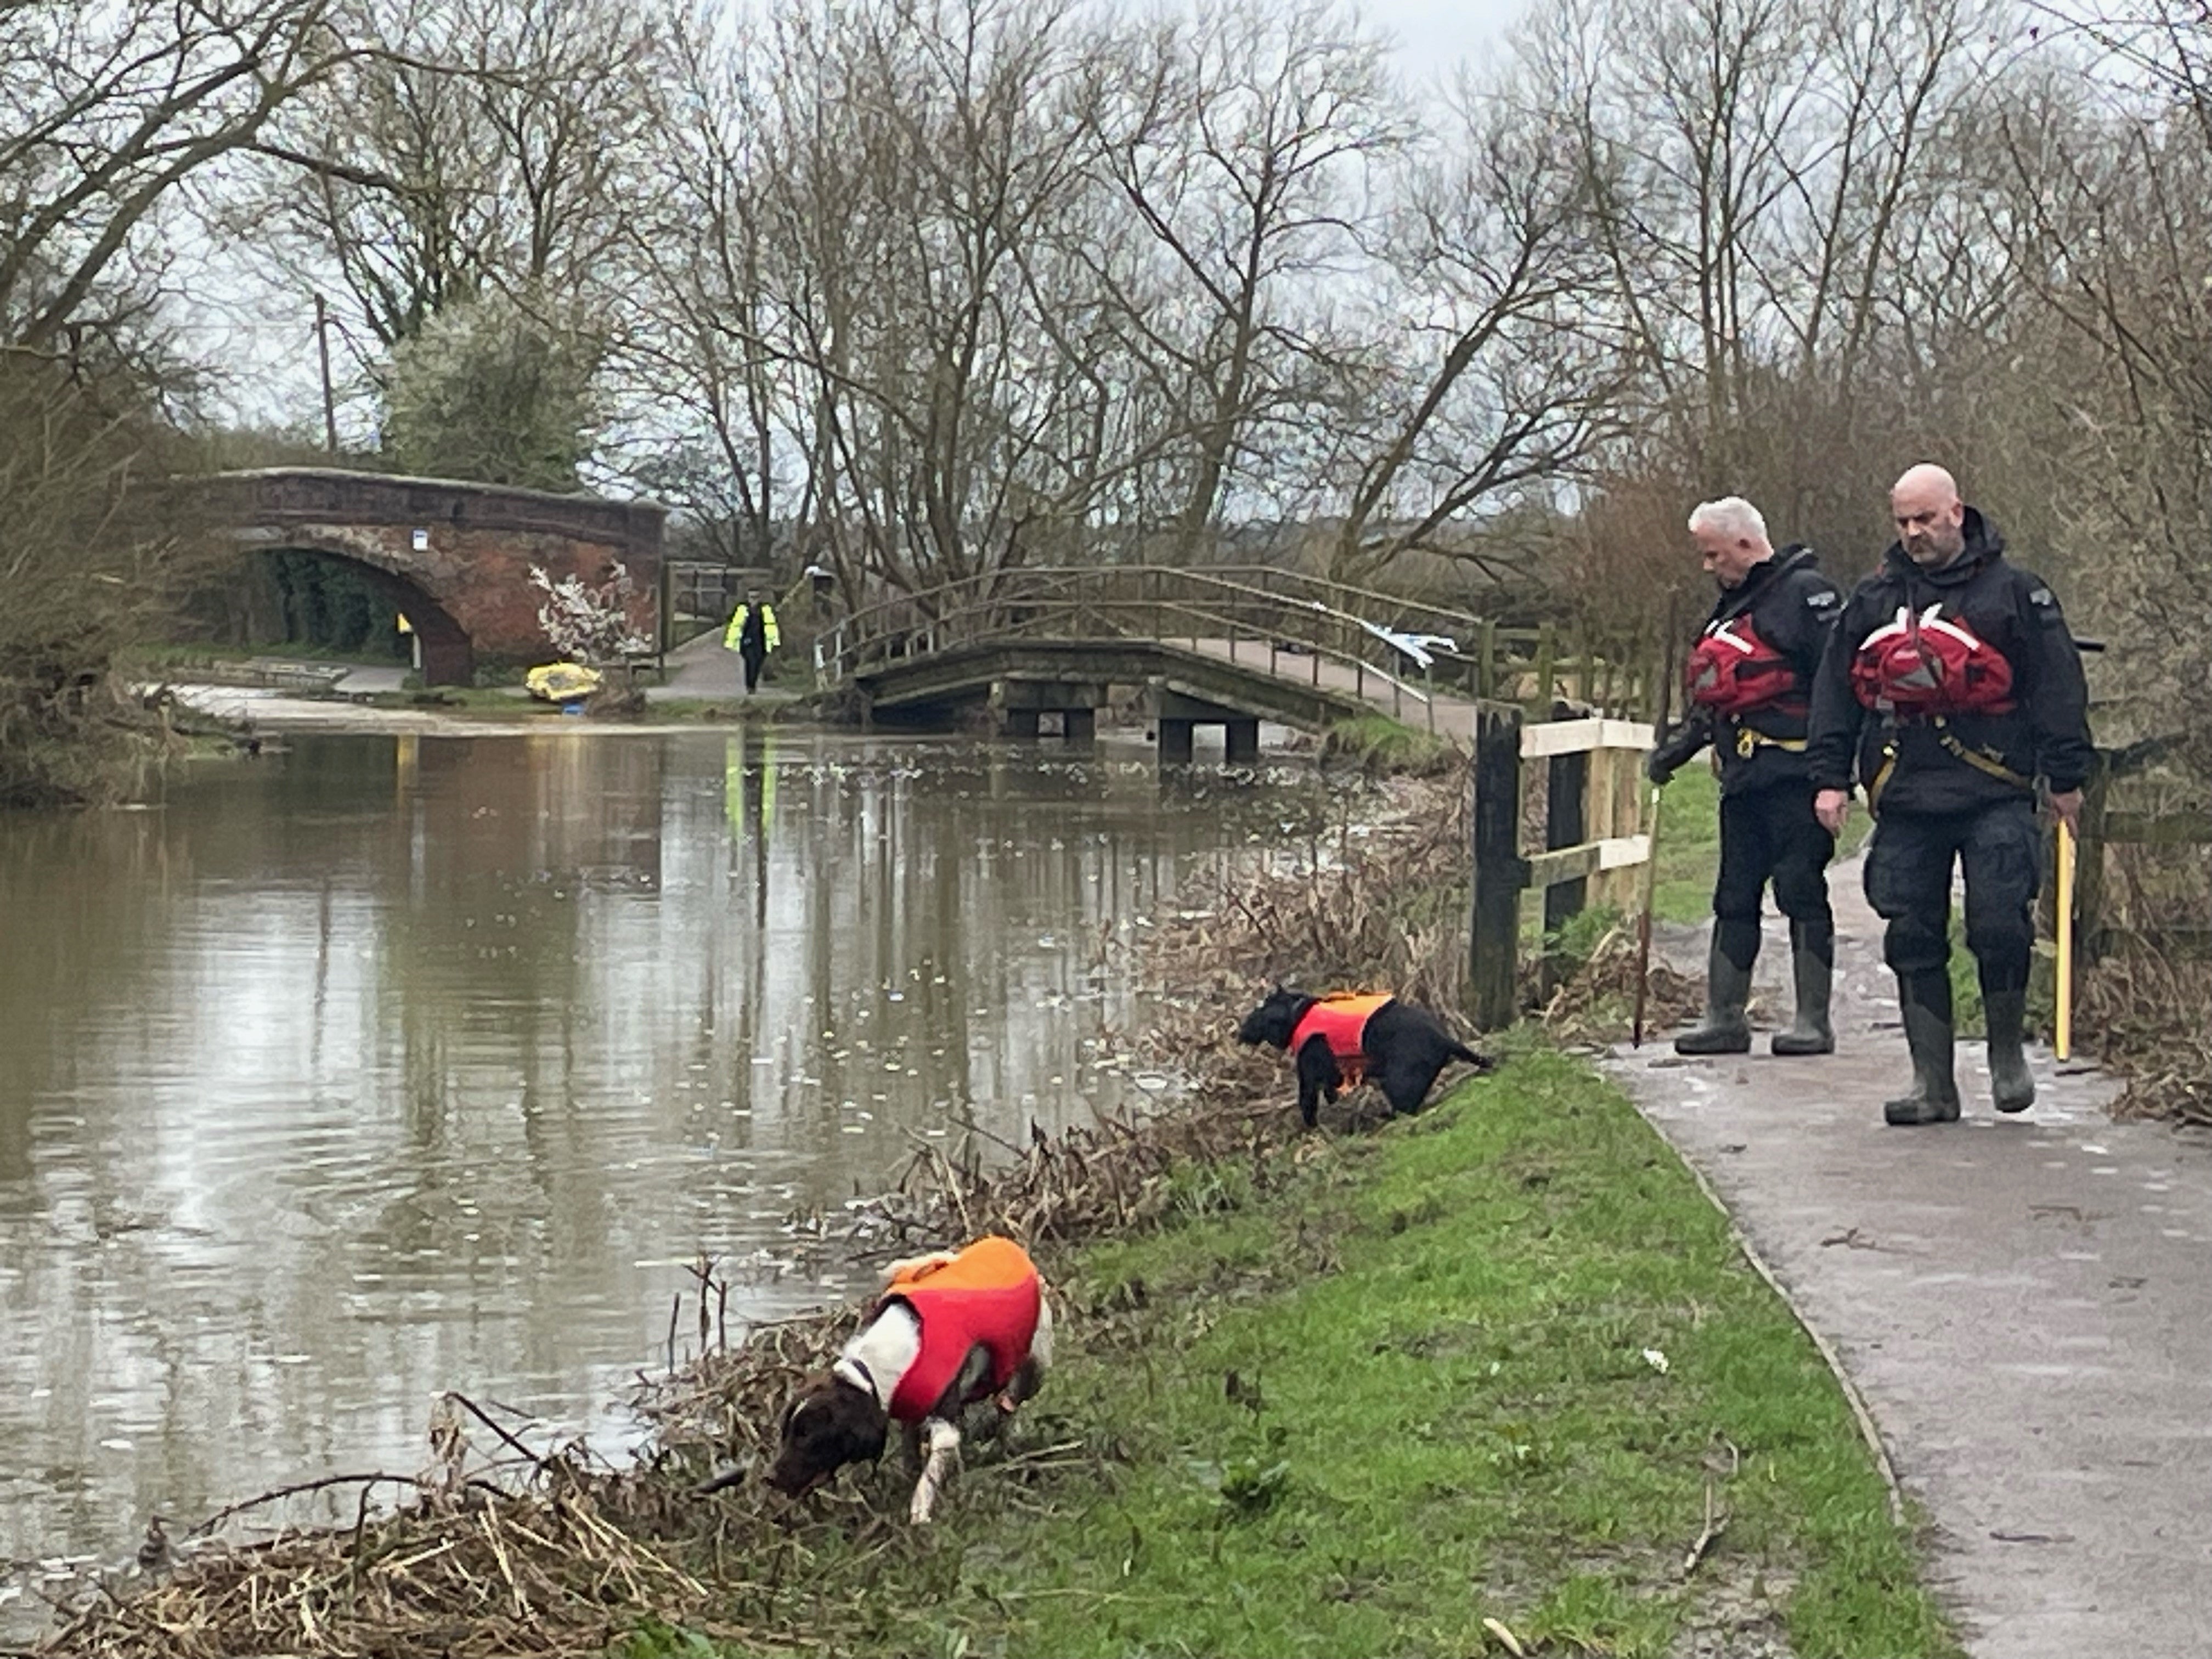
(1343, 1021)
(989, 1293)
(1732, 670)
(1925, 663)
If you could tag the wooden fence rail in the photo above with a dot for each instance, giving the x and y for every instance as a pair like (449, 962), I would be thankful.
(2103, 826)
(1591, 834)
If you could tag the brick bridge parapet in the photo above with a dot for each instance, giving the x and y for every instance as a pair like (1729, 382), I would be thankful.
(454, 556)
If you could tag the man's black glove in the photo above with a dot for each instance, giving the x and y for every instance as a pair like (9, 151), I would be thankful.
(1674, 751)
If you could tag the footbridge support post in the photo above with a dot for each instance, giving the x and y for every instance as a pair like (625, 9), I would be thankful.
(1023, 703)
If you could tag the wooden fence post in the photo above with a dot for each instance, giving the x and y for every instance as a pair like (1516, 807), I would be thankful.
(1499, 874)
(2089, 865)
(1567, 790)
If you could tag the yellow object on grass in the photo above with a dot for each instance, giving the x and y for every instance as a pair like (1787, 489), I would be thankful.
(561, 682)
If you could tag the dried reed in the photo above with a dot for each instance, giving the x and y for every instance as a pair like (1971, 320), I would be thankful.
(554, 1553)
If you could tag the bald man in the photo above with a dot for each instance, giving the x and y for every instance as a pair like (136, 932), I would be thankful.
(1950, 685)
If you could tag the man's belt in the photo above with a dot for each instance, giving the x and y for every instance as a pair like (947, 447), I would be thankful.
(1980, 759)
(1749, 742)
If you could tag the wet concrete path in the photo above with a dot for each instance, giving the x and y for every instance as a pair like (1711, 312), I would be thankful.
(2024, 1303)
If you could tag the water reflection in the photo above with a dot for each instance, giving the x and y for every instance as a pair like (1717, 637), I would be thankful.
(392, 1064)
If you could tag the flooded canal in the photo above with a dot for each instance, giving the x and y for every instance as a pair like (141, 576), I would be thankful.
(386, 1064)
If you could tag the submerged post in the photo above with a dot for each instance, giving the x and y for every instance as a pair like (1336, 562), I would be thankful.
(1499, 874)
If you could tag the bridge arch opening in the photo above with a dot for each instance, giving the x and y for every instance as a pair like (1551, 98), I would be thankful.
(448, 655)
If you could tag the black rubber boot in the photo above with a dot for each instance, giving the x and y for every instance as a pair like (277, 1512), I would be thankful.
(1812, 965)
(1926, 999)
(1724, 1030)
(2012, 1086)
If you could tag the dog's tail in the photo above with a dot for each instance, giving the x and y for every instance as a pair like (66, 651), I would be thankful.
(1481, 1062)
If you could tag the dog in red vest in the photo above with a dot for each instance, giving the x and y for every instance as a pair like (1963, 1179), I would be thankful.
(1343, 1039)
(951, 1331)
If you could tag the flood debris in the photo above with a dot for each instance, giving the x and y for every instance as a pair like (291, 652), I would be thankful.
(2151, 1018)
(1593, 999)
(496, 1546)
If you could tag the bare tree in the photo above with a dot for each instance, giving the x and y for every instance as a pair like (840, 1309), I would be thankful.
(108, 113)
(1502, 374)
(903, 247)
(489, 144)
(1243, 138)
(105, 112)
(2104, 212)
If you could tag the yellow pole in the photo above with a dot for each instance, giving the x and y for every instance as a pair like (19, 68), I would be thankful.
(2065, 1045)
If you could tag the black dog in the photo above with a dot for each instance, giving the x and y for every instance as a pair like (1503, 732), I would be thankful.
(1341, 1040)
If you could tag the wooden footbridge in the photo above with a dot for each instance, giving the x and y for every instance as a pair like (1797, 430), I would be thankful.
(1218, 646)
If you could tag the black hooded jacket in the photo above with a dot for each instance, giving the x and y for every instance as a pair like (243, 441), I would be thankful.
(1793, 606)
(2045, 732)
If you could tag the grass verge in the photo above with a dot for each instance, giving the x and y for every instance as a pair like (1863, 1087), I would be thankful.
(1500, 1361)
(1690, 845)
(196, 654)
(1386, 747)
(1341, 1393)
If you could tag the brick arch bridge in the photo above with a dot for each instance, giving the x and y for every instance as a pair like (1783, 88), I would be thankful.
(454, 556)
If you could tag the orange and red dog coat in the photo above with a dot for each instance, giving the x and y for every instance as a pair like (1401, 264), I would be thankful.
(989, 1294)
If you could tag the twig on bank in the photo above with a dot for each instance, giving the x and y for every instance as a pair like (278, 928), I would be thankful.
(1716, 1524)
(295, 1489)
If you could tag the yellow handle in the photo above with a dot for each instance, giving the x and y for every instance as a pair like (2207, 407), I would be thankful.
(2065, 1045)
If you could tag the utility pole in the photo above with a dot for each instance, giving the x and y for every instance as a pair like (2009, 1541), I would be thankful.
(330, 400)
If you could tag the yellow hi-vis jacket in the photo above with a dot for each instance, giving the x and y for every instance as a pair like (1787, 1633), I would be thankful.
(733, 634)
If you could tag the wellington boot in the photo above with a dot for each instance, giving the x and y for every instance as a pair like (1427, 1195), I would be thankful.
(1814, 968)
(2012, 1086)
(1926, 999)
(1724, 1029)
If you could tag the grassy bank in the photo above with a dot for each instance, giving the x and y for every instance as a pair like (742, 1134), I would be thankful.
(1362, 1402)
(1690, 844)
(1357, 1392)
(1385, 746)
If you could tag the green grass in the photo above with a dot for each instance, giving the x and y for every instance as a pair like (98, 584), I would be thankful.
(1384, 745)
(193, 654)
(1690, 844)
(1356, 1402)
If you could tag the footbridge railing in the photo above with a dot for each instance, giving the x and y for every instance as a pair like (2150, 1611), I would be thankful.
(1281, 622)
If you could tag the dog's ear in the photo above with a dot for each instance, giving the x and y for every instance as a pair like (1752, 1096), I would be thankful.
(813, 1386)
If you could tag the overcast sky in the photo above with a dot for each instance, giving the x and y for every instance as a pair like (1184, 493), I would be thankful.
(1434, 35)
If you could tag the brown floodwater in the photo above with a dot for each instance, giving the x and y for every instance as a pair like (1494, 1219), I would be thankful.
(386, 1064)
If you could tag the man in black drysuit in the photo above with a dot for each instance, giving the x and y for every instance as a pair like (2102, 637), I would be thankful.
(1950, 685)
(1748, 681)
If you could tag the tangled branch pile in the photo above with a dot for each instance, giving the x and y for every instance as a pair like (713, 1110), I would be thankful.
(91, 545)
(557, 1553)
(1593, 1003)
(2154, 1020)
